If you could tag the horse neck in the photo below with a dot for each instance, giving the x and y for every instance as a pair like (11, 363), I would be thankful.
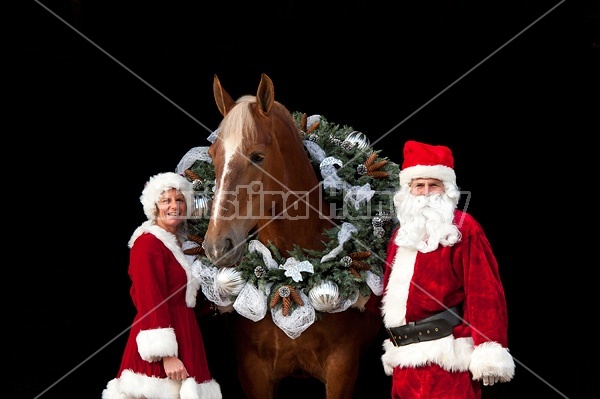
(307, 228)
(306, 231)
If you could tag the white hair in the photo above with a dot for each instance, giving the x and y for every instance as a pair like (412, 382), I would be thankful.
(160, 183)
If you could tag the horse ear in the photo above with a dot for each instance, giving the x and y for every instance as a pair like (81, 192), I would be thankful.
(222, 98)
(265, 95)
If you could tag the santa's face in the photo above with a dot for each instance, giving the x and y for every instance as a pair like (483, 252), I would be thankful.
(426, 186)
(426, 215)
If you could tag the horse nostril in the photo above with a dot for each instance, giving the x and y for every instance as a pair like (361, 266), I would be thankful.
(228, 245)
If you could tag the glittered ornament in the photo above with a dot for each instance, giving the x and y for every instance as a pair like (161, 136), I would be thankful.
(201, 205)
(229, 281)
(325, 296)
(358, 139)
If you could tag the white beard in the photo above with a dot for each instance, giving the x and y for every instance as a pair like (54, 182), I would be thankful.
(425, 220)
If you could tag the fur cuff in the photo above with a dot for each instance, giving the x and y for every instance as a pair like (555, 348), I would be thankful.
(490, 358)
(190, 389)
(156, 344)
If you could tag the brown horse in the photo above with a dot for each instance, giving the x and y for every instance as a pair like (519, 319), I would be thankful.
(262, 169)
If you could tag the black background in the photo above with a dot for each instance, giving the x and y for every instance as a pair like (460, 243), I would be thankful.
(107, 93)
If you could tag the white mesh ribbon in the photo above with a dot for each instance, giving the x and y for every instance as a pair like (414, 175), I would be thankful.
(374, 282)
(343, 305)
(298, 320)
(315, 151)
(251, 303)
(213, 136)
(330, 176)
(311, 120)
(206, 275)
(343, 235)
(193, 155)
(257, 246)
(359, 195)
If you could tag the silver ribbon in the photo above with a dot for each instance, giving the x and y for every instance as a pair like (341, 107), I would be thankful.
(358, 195)
(257, 246)
(251, 303)
(374, 282)
(213, 136)
(343, 235)
(330, 176)
(193, 155)
(315, 152)
(296, 322)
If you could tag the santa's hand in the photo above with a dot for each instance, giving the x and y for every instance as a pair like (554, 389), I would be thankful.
(490, 379)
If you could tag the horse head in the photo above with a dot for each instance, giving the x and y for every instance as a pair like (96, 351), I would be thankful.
(265, 183)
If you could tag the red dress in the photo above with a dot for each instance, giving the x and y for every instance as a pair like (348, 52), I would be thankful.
(164, 292)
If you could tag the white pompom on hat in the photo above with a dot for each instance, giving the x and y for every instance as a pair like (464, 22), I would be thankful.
(160, 183)
(427, 161)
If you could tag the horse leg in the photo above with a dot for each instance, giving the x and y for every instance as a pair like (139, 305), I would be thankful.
(341, 372)
(255, 377)
(346, 350)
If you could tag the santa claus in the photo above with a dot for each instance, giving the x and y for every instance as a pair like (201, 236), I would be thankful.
(443, 303)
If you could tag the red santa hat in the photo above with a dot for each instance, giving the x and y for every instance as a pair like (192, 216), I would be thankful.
(160, 183)
(427, 161)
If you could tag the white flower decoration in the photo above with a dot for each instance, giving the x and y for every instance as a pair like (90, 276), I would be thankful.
(293, 268)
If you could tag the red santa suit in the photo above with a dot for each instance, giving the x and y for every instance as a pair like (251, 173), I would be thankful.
(164, 292)
(418, 285)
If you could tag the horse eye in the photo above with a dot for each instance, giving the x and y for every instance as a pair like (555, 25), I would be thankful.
(257, 158)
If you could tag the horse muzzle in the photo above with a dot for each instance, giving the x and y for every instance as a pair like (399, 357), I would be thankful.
(224, 251)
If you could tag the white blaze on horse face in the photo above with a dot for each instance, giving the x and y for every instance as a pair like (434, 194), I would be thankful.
(230, 151)
(238, 121)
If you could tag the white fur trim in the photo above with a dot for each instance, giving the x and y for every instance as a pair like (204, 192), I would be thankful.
(393, 303)
(490, 358)
(190, 389)
(193, 285)
(156, 344)
(449, 353)
(133, 385)
(441, 172)
(158, 184)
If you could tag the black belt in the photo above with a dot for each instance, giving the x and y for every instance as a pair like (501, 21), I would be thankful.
(439, 325)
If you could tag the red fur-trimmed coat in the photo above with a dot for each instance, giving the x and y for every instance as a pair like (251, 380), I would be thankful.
(418, 285)
(163, 291)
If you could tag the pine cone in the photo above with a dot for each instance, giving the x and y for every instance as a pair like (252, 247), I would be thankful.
(359, 265)
(296, 297)
(194, 251)
(360, 255)
(312, 127)
(371, 159)
(275, 299)
(377, 165)
(303, 122)
(197, 239)
(286, 305)
(378, 174)
(191, 175)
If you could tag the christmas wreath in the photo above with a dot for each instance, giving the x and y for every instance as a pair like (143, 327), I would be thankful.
(301, 285)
